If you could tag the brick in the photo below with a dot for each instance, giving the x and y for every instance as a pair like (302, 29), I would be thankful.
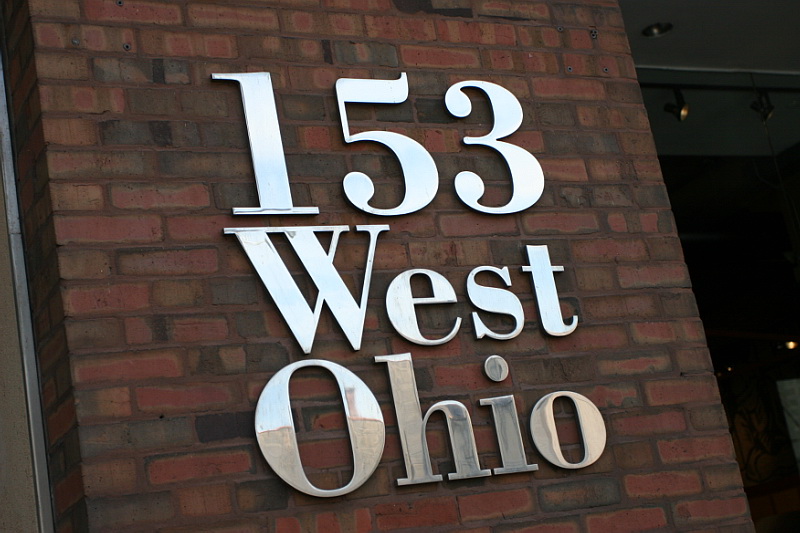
(68, 491)
(65, 8)
(60, 421)
(84, 264)
(210, 16)
(680, 391)
(434, 57)
(168, 262)
(518, 10)
(179, 398)
(649, 424)
(133, 11)
(148, 196)
(205, 500)
(105, 299)
(711, 510)
(262, 495)
(102, 229)
(97, 164)
(466, 224)
(92, 100)
(134, 510)
(128, 367)
(178, 293)
(216, 427)
(634, 364)
(94, 334)
(657, 275)
(62, 67)
(199, 329)
(103, 403)
(77, 197)
(109, 477)
(69, 131)
(633, 455)
(192, 466)
(695, 449)
(428, 512)
(400, 29)
(628, 520)
(495, 505)
(185, 44)
(578, 495)
(663, 484)
(457, 31)
(568, 89)
(351, 53)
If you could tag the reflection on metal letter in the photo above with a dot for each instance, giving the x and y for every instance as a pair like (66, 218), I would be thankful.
(509, 436)
(544, 283)
(266, 147)
(400, 305)
(276, 433)
(412, 427)
(302, 320)
(419, 170)
(545, 436)
(527, 178)
(494, 300)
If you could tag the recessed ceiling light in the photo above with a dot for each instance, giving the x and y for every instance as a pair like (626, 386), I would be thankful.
(657, 30)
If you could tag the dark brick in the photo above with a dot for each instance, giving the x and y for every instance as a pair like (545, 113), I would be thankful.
(132, 510)
(225, 426)
(250, 324)
(224, 134)
(162, 433)
(234, 291)
(266, 357)
(262, 495)
(556, 370)
(580, 494)
(352, 53)
(303, 107)
(229, 195)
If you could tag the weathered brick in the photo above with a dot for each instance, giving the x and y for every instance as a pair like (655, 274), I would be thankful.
(428, 512)
(205, 465)
(175, 399)
(629, 520)
(204, 500)
(579, 495)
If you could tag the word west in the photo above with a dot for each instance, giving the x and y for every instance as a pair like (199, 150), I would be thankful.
(274, 423)
(400, 302)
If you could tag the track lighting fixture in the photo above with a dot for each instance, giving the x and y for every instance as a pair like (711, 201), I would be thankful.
(763, 106)
(680, 108)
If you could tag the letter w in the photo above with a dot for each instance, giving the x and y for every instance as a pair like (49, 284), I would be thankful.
(302, 320)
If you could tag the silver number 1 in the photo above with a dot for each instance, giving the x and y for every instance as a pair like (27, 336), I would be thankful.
(266, 147)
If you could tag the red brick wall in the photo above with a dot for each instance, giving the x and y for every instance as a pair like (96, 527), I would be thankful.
(170, 336)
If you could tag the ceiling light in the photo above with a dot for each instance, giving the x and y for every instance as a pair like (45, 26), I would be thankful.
(657, 30)
(763, 106)
(791, 345)
(680, 108)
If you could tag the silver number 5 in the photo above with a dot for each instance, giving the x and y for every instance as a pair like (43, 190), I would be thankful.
(419, 169)
(527, 179)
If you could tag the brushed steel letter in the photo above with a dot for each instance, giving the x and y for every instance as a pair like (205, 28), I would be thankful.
(412, 427)
(494, 300)
(266, 147)
(509, 436)
(544, 283)
(420, 175)
(275, 276)
(400, 305)
(545, 436)
(276, 432)
(527, 178)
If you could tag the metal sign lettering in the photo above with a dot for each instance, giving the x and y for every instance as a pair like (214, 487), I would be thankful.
(274, 424)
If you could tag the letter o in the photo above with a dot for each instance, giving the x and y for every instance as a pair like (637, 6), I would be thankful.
(545, 436)
(278, 441)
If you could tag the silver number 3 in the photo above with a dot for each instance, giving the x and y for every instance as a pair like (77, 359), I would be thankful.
(527, 179)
